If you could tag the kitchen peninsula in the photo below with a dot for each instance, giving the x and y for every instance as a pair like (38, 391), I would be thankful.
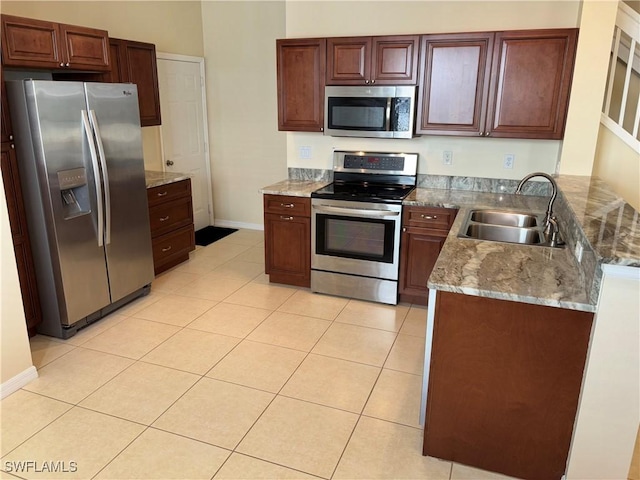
(528, 312)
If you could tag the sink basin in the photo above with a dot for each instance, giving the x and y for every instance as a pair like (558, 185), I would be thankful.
(500, 217)
(502, 233)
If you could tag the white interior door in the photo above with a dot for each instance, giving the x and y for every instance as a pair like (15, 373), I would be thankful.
(184, 128)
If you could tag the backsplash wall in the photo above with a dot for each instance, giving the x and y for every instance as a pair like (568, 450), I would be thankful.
(472, 157)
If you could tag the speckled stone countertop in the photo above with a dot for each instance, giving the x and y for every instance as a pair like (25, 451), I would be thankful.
(294, 188)
(155, 179)
(529, 274)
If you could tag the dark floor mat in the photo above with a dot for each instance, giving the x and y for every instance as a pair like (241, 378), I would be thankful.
(208, 235)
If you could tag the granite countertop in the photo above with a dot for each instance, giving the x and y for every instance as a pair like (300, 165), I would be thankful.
(156, 179)
(522, 273)
(294, 188)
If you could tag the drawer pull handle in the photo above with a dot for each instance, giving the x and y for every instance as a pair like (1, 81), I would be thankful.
(164, 219)
(285, 218)
(429, 217)
(162, 194)
(166, 249)
(287, 205)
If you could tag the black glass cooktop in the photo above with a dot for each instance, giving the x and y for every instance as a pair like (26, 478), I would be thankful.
(364, 192)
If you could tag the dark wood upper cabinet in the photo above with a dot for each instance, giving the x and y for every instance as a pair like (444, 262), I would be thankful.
(30, 43)
(531, 81)
(503, 84)
(135, 62)
(454, 75)
(300, 76)
(5, 125)
(386, 60)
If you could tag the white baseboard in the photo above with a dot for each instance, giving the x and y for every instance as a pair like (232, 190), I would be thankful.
(232, 224)
(16, 383)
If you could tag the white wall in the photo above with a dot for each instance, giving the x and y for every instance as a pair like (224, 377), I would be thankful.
(609, 409)
(14, 342)
(482, 157)
(247, 151)
(597, 21)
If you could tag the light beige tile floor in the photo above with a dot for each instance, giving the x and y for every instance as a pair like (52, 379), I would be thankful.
(219, 374)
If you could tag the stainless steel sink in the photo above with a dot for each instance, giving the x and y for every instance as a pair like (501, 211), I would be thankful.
(501, 217)
(524, 228)
(501, 233)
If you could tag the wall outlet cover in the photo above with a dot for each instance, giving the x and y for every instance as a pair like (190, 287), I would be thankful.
(304, 153)
(447, 157)
(509, 160)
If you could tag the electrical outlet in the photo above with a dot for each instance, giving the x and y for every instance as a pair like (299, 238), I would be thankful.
(447, 157)
(304, 153)
(578, 251)
(509, 160)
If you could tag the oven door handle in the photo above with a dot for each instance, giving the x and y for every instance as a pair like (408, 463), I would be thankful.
(360, 212)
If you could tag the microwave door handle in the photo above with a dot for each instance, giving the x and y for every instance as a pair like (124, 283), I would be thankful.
(360, 212)
(387, 126)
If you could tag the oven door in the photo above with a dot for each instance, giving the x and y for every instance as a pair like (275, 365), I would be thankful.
(357, 238)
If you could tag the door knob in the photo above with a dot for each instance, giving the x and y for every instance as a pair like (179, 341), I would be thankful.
(169, 162)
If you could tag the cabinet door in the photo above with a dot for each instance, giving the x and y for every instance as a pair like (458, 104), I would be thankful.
(5, 125)
(20, 236)
(30, 43)
(394, 60)
(455, 82)
(419, 252)
(300, 70)
(116, 73)
(141, 69)
(348, 60)
(288, 249)
(84, 48)
(531, 79)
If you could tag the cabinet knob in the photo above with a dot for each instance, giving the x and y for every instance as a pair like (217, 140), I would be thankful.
(66, 64)
(481, 134)
(169, 162)
(164, 219)
(166, 249)
(373, 81)
(285, 218)
(13, 146)
(10, 137)
(62, 64)
(366, 81)
(486, 134)
(404, 229)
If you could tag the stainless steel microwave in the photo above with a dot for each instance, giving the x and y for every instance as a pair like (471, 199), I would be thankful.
(380, 112)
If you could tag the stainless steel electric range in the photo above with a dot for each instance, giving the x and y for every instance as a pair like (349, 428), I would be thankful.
(355, 225)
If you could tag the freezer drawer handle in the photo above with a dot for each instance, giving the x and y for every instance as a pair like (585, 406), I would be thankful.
(164, 219)
(96, 177)
(166, 249)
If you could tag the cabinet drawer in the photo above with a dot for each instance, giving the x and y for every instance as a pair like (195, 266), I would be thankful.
(170, 191)
(172, 244)
(429, 217)
(284, 204)
(170, 216)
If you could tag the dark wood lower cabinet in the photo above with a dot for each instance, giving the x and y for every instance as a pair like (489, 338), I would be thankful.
(504, 384)
(287, 240)
(424, 231)
(20, 237)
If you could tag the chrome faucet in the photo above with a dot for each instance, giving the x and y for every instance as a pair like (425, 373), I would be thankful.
(551, 230)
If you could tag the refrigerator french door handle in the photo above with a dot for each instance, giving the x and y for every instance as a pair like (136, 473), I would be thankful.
(96, 176)
(105, 176)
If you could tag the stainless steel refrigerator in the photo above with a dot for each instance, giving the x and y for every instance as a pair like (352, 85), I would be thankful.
(79, 150)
